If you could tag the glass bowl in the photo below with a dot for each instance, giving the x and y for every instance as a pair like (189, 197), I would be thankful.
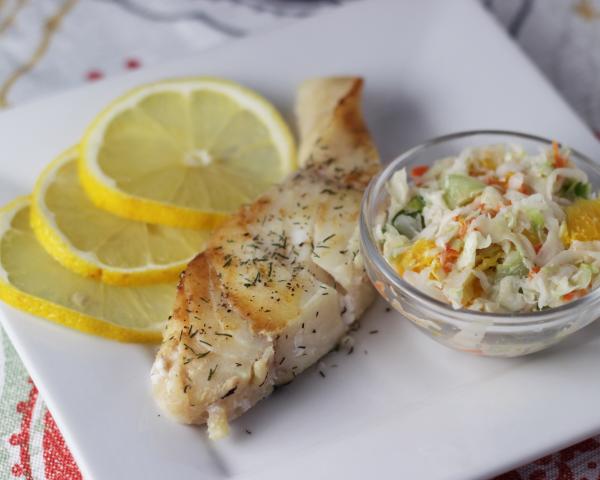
(490, 334)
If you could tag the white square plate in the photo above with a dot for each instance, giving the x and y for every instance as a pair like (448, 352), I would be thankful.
(401, 406)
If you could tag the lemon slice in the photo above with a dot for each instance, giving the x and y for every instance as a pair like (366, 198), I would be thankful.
(184, 152)
(31, 280)
(94, 243)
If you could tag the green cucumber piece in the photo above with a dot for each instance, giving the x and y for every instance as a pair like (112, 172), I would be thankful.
(512, 265)
(461, 189)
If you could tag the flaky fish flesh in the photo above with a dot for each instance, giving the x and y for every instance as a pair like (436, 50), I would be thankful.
(281, 281)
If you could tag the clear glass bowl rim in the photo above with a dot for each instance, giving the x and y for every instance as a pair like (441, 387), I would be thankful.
(371, 249)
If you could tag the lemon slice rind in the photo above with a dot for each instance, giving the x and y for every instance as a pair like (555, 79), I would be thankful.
(87, 264)
(57, 313)
(105, 193)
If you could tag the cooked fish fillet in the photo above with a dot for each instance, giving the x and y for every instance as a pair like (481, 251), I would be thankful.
(281, 281)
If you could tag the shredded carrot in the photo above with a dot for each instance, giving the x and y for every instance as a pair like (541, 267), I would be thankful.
(449, 257)
(492, 211)
(559, 160)
(419, 170)
(525, 189)
(464, 224)
(535, 269)
(502, 184)
(574, 294)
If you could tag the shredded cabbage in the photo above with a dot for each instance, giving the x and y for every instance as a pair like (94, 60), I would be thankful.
(399, 191)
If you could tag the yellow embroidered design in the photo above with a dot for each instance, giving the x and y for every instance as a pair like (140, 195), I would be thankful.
(586, 10)
(7, 21)
(51, 26)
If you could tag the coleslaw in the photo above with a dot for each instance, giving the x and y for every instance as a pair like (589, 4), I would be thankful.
(489, 229)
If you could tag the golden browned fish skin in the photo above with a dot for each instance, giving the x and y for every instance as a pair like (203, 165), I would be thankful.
(281, 281)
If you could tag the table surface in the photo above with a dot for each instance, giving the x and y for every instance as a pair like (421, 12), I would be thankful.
(51, 45)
